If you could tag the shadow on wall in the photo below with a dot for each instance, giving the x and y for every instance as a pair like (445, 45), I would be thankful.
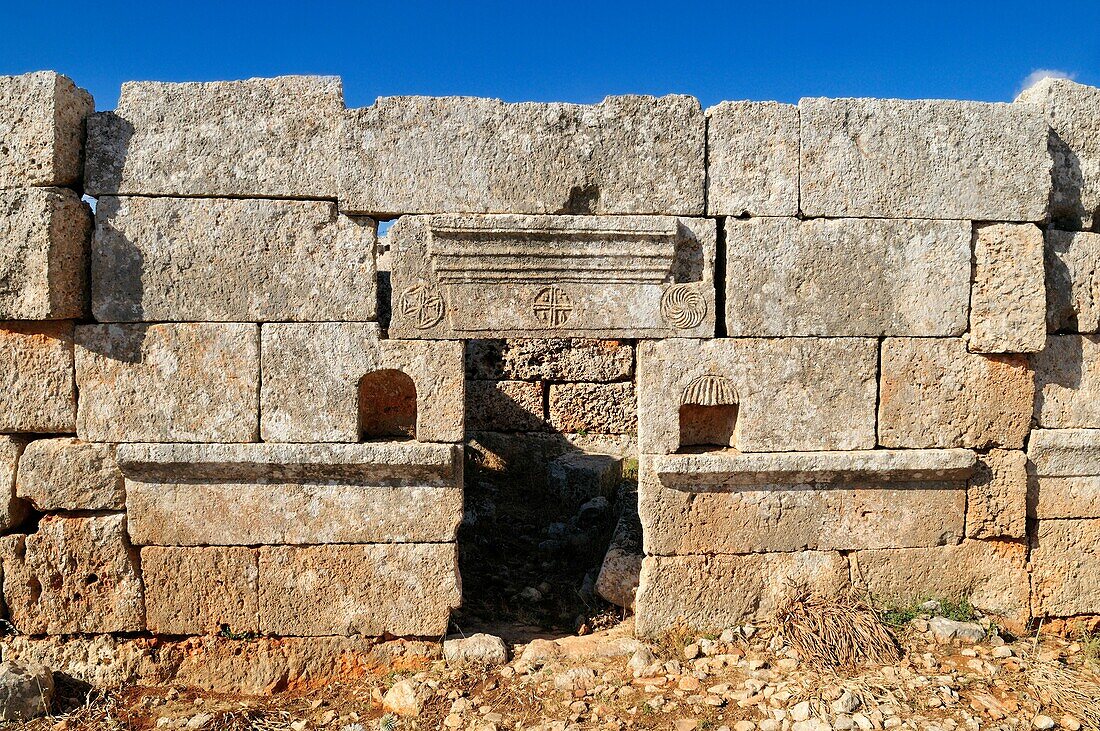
(387, 406)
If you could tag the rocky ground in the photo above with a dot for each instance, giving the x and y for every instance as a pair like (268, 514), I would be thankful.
(944, 679)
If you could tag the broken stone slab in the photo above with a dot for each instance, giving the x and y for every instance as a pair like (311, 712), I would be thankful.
(37, 394)
(617, 581)
(992, 575)
(1064, 466)
(12, 509)
(172, 382)
(947, 630)
(927, 158)
(752, 159)
(220, 259)
(301, 494)
(68, 474)
(256, 138)
(480, 650)
(504, 406)
(42, 118)
(576, 477)
(44, 234)
(594, 408)
(710, 593)
(1073, 292)
(550, 359)
(364, 589)
(996, 495)
(686, 509)
(1072, 110)
(498, 276)
(526, 455)
(207, 590)
(1008, 298)
(26, 691)
(847, 277)
(1067, 382)
(758, 395)
(1065, 568)
(74, 575)
(627, 154)
(934, 393)
(312, 374)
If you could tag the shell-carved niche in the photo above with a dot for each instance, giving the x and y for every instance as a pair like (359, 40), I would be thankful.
(708, 413)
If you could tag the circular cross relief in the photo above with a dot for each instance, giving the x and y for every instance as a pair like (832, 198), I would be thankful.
(553, 306)
(683, 307)
(423, 304)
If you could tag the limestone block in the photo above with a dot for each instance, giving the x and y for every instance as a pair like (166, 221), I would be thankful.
(374, 589)
(263, 494)
(1073, 112)
(752, 159)
(73, 576)
(178, 259)
(894, 158)
(42, 125)
(846, 277)
(996, 496)
(785, 394)
(192, 591)
(493, 276)
(257, 138)
(1073, 281)
(760, 503)
(184, 382)
(712, 593)
(627, 154)
(1008, 299)
(1067, 382)
(597, 408)
(621, 569)
(312, 372)
(550, 359)
(527, 455)
(68, 474)
(936, 394)
(576, 477)
(1065, 568)
(12, 509)
(991, 574)
(504, 406)
(43, 250)
(1064, 467)
(36, 377)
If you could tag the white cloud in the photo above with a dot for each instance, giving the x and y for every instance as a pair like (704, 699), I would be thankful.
(1039, 74)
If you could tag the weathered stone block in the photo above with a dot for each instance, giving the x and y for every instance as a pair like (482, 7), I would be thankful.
(996, 496)
(846, 277)
(759, 503)
(263, 494)
(504, 406)
(550, 359)
(367, 589)
(576, 477)
(526, 455)
(254, 138)
(185, 382)
(712, 593)
(494, 276)
(597, 408)
(627, 154)
(73, 576)
(1008, 299)
(1067, 382)
(312, 374)
(787, 394)
(43, 251)
(42, 125)
(1073, 294)
(621, 569)
(991, 574)
(894, 158)
(12, 509)
(68, 474)
(1073, 112)
(1064, 466)
(224, 259)
(752, 159)
(934, 393)
(36, 378)
(191, 591)
(1065, 568)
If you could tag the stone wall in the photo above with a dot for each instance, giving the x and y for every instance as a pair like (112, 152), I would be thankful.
(853, 342)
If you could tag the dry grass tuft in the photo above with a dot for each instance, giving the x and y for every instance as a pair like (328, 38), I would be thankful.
(1068, 689)
(840, 631)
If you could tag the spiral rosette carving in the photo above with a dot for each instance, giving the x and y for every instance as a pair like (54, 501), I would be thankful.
(423, 304)
(683, 307)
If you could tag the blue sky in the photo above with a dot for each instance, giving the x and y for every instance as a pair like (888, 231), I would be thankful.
(564, 50)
